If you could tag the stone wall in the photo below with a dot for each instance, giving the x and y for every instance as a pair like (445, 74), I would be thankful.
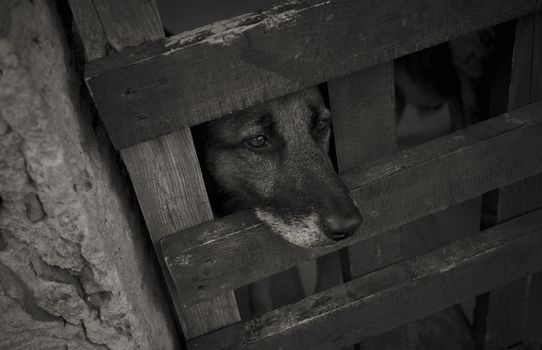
(76, 267)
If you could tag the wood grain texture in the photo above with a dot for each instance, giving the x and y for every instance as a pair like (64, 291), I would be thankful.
(105, 26)
(363, 111)
(364, 125)
(362, 106)
(533, 319)
(165, 171)
(138, 17)
(167, 179)
(508, 309)
(389, 297)
(536, 77)
(533, 326)
(522, 60)
(238, 250)
(169, 185)
(193, 77)
(89, 28)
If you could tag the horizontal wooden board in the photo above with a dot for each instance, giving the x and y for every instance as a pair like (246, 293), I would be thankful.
(225, 254)
(380, 301)
(154, 89)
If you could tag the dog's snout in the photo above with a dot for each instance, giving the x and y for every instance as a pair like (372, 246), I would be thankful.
(342, 222)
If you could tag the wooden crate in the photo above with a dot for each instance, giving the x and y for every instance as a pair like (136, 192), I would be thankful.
(150, 89)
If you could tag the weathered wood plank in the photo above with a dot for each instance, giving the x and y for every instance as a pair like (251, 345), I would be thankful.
(193, 77)
(534, 309)
(364, 125)
(504, 323)
(522, 62)
(106, 26)
(536, 77)
(170, 191)
(363, 110)
(533, 326)
(231, 252)
(389, 297)
(89, 28)
(140, 18)
(165, 171)
(169, 186)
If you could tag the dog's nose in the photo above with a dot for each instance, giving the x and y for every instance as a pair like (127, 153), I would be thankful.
(342, 223)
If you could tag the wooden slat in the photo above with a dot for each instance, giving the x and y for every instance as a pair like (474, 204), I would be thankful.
(165, 172)
(389, 297)
(167, 179)
(533, 326)
(363, 110)
(522, 73)
(105, 25)
(533, 320)
(238, 250)
(139, 18)
(89, 28)
(171, 193)
(193, 77)
(508, 308)
(536, 77)
(364, 125)
(504, 323)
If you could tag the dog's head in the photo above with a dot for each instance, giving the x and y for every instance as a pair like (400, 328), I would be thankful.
(274, 158)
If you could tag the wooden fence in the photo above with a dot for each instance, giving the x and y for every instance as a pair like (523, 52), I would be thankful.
(150, 89)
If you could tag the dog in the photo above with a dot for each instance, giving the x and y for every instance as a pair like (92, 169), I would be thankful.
(274, 159)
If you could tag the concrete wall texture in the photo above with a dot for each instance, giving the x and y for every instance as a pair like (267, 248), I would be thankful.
(76, 267)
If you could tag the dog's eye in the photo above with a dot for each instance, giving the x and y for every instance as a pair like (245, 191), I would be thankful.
(258, 141)
(321, 124)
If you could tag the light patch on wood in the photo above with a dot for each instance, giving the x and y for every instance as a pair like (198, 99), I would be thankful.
(459, 137)
(179, 260)
(227, 31)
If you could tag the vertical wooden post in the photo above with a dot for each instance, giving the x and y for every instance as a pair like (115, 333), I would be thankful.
(512, 314)
(165, 171)
(364, 125)
(170, 189)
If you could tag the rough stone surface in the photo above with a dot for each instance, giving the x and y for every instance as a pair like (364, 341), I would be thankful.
(76, 268)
